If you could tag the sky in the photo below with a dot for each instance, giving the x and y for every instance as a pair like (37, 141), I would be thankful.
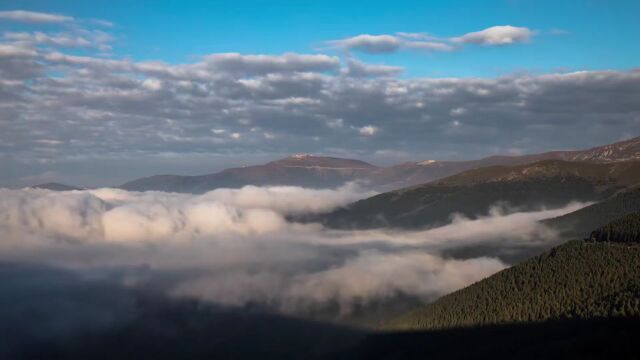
(98, 93)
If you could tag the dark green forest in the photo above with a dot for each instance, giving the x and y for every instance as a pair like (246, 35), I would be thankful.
(577, 280)
(623, 230)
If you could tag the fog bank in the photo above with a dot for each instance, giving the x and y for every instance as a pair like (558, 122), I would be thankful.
(236, 247)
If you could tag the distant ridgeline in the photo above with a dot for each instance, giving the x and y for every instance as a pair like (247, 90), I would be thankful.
(582, 280)
(622, 230)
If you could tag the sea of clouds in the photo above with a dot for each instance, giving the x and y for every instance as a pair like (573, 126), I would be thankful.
(235, 247)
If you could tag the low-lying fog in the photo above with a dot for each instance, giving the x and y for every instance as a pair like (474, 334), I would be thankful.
(236, 248)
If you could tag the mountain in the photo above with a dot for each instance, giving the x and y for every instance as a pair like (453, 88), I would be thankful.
(413, 173)
(297, 170)
(580, 222)
(56, 187)
(577, 280)
(549, 183)
(322, 172)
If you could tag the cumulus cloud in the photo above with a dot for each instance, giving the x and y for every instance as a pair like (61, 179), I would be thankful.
(33, 17)
(236, 247)
(497, 35)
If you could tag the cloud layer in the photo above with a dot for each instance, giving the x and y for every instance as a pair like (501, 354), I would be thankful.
(235, 247)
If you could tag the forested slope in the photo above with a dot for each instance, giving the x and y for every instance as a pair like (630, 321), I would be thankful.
(623, 230)
(577, 280)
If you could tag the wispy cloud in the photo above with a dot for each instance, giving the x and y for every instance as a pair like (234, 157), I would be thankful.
(386, 43)
(34, 17)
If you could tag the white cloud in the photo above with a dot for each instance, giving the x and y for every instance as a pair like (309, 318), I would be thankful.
(497, 35)
(375, 275)
(33, 17)
(78, 38)
(16, 50)
(428, 45)
(368, 130)
(62, 40)
(414, 35)
(373, 44)
(152, 84)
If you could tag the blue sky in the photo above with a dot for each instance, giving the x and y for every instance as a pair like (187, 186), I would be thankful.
(594, 34)
(101, 92)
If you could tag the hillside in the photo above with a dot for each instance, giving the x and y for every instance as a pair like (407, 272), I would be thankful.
(577, 280)
(623, 230)
(550, 183)
(580, 222)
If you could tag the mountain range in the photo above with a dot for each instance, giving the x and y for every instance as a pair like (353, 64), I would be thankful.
(322, 172)
(297, 170)
(543, 184)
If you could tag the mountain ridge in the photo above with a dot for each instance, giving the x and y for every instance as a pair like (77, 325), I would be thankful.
(547, 183)
(325, 171)
(55, 187)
